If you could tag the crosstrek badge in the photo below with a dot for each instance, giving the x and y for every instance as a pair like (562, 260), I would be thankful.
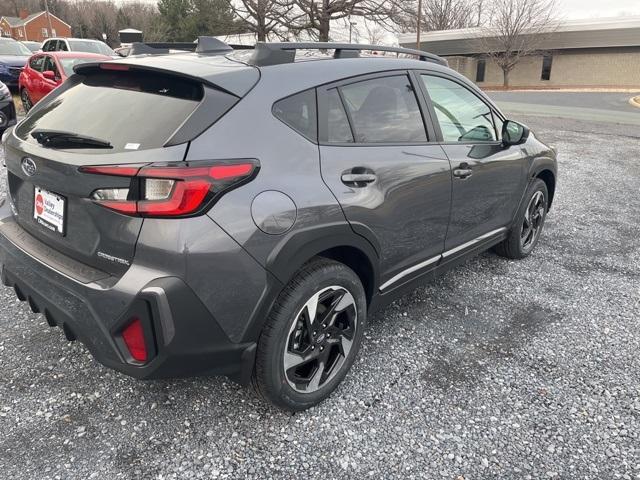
(49, 210)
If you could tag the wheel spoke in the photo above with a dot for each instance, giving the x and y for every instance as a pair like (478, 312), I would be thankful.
(314, 383)
(312, 307)
(345, 346)
(530, 237)
(329, 315)
(293, 360)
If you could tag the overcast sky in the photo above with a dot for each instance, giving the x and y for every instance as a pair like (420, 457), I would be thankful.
(576, 8)
(599, 8)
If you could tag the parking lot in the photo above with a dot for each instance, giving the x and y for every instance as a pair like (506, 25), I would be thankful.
(500, 369)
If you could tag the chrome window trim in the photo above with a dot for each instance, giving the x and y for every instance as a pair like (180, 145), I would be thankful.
(437, 258)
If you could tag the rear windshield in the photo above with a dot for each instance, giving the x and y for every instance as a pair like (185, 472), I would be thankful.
(93, 47)
(130, 110)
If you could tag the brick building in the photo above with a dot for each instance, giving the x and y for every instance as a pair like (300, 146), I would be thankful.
(593, 53)
(34, 27)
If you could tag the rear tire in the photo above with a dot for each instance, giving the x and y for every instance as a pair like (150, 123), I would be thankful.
(26, 101)
(311, 337)
(524, 235)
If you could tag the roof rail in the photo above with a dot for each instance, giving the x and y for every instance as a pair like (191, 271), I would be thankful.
(266, 54)
(204, 44)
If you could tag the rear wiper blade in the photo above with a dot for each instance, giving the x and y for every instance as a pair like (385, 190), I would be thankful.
(54, 138)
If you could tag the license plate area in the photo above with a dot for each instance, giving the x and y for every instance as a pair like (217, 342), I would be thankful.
(49, 210)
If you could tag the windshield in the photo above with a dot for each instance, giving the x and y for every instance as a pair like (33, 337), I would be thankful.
(68, 63)
(33, 46)
(127, 110)
(13, 48)
(93, 47)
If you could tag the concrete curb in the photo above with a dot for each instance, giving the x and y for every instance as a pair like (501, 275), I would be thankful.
(635, 101)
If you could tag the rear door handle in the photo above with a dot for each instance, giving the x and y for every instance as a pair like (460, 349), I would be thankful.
(358, 179)
(463, 171)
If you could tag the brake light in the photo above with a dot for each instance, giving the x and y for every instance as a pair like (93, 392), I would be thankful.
(114, 66)
(170, 190)
(133, 337)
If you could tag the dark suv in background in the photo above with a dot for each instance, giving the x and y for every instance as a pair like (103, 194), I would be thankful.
(241, 213)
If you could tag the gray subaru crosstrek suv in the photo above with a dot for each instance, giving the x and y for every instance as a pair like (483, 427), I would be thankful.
(242, 212)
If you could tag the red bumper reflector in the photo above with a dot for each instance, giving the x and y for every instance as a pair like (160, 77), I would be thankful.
(133, 336)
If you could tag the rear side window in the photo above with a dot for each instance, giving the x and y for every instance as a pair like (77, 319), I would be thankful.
(299, 112)
(338, 129)
(384, 110)
(130, 110)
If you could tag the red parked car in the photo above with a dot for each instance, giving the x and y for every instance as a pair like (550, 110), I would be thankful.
(46, 71)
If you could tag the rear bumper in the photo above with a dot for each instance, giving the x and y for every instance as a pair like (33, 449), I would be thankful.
(184, 337)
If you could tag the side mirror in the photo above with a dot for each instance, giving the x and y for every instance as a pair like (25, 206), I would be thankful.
(49, 75)
(514, 133)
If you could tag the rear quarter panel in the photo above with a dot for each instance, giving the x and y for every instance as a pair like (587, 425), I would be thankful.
(289, 164)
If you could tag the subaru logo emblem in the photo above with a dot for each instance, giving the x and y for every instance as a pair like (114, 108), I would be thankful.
(29, 167)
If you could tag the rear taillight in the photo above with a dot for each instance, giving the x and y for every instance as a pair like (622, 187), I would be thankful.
(133, 337)
(173, 189)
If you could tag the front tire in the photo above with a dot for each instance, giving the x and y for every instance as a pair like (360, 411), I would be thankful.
(524, 235)
(311, 337)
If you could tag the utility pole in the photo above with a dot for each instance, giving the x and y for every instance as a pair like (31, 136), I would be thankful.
(46, 9)
(351, 25)
(418, 26)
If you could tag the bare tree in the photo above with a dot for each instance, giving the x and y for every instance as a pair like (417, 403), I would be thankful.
(261, 17)
(441, 15)
(375, 34)
(315, 16)
(517, 29)
(447, 14)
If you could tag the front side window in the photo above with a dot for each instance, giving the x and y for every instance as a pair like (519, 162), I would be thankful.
(50, 65)
(299, 112)
(462, 116)
(36, 63)
(384, 110)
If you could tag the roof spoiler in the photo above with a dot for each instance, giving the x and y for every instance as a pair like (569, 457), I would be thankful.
(278, 53)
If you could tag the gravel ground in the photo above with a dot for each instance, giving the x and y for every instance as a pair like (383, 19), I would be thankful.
(500, 369)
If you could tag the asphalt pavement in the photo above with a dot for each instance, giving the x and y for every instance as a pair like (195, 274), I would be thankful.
(500, 369)
(588, 107)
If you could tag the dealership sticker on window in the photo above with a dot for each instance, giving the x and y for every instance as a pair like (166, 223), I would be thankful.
(48, 210)
(132, 146)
